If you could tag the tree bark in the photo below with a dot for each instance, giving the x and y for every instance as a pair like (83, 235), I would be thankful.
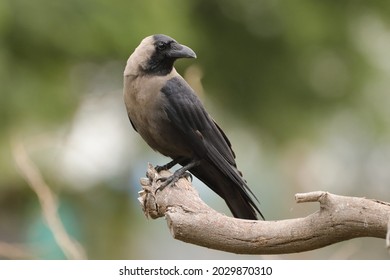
(190, 220)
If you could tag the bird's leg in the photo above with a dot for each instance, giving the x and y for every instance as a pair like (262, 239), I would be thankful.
(180, 173)
(167, 166)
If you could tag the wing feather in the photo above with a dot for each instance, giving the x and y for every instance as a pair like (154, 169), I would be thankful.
(186, 112)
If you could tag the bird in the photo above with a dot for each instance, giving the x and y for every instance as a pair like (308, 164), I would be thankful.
(169, 116)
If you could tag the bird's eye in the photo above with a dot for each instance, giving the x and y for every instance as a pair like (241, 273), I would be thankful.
(161, 46)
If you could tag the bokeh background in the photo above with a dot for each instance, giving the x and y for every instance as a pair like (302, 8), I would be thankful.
(301, 89)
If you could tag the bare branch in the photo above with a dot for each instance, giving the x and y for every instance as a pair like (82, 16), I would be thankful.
(191, 220)
(14, 251)
(71, 248)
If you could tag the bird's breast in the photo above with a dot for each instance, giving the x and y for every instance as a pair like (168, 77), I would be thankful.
(145, 105)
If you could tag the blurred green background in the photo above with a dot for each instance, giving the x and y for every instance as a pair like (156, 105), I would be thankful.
(301, 89)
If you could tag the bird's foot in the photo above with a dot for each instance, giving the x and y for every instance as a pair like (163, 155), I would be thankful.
(180, 173)
(171, 180)
(167, 166)
(160, 168)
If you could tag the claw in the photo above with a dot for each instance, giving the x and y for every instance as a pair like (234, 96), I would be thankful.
(165, 182)
(167, 166)
(180, 173)
(160, 168)
(188, 176)
(171, 180)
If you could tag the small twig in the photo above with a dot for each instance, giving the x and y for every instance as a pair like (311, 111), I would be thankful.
(71, 248)
(309, 197)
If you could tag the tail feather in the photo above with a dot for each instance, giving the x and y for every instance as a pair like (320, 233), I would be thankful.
(232, 191)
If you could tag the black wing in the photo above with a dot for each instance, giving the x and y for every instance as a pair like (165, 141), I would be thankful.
(206, 138)
(187, 114)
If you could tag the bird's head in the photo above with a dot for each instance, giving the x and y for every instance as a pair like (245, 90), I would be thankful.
(157, 53)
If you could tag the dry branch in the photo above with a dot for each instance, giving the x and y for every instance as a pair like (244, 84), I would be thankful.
(191, 220)
(14, 251)
(71, 248)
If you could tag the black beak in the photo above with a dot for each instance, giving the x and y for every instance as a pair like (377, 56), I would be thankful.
(181, 51)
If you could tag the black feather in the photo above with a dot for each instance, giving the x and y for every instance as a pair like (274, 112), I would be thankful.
(210, 145)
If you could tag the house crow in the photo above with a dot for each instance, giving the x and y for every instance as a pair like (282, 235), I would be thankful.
(168, 115)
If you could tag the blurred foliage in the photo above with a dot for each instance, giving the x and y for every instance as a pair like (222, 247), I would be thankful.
(310, 81)
(286, 66)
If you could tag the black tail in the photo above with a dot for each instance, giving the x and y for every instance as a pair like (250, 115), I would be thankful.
(233, 190)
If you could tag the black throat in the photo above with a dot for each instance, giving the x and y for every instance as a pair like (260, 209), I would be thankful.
(158, 65)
